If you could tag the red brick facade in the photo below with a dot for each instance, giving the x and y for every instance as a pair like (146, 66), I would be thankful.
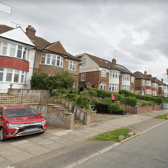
(14, 63)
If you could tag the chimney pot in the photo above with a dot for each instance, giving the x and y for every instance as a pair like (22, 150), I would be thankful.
(113, 62)
(162, 79)
(145, 72)
(30, 31)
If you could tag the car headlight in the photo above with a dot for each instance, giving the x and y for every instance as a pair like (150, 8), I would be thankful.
(43, 122)
(13, 125)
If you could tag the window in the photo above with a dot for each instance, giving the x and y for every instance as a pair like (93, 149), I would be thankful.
(72, 65)
(84, 61)
(4, 49)
(125, 77)
(132, 79)
(16, 76)
(82, 77)
(103, 86)
(48, 58)
(103, 73)
(148, 83)
(19, 52)
(43, 59)
(132, 90)
(25, 53)
(9, 75)
(22, 77)
(1, 74)
(113, 87)
(126, 87)
(53, 59)
(58, 60)
(148, 91)
(114, 74)
(143, 82)
(73, 85)
(12, 50)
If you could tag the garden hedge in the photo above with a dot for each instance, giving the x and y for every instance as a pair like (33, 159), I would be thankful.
(157, 100)
(103, 94)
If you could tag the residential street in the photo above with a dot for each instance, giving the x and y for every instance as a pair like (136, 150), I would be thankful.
(63, 147)
(149, 150)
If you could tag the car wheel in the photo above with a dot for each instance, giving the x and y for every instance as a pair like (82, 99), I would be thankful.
(2, 138)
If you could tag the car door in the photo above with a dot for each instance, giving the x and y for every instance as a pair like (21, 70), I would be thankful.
(1, 113)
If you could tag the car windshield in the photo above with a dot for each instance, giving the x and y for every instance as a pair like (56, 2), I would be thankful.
(11, 113)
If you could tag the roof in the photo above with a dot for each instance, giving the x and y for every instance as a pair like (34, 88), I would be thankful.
(108, 64)
(42, 44)
(139, 75)
(4, 28)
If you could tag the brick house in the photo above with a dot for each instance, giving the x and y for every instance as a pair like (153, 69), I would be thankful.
(17, 55)
(162, 88)
(104, 74)
(155, 91)
(143, 84)
(52, 57)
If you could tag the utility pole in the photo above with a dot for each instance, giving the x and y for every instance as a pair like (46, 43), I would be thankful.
(17, 24)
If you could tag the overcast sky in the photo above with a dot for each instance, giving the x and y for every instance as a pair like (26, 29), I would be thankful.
(135, 32)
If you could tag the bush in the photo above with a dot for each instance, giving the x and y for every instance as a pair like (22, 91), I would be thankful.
(84, 103)
(38, 81)
(114, 107)
(130, 100)
(147, 98)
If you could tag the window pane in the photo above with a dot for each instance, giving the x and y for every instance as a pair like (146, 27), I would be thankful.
(1, 69)
(70, 65)
(24, 54)
(58, 60)
(48, 59)
(16, 78)
(53, 60)
(4, 51)
(1, 76)
(22, 78)
(9, 77)
(19, 53)
(16, 71)
(43, 60)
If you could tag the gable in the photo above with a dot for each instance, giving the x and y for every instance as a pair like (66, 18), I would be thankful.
(18, 35)
(57, 47)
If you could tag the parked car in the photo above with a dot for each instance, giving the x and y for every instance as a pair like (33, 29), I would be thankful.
(19, 121)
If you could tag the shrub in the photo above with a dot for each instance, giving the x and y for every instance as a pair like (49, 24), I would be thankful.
(147, 98)
(114, 107)
(84, 103)
(130, 100)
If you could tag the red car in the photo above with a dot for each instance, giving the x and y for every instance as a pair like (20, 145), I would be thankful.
(19, 121)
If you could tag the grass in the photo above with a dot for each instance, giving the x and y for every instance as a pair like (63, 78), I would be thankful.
(164, 116)
(112, 135)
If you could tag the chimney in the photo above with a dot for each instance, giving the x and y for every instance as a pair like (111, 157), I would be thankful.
(145, 72)
(113, 62)
(162, 80)
(30, 31)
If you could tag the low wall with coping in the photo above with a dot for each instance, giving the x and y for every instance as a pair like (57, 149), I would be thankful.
(157, 107)
(82, 115)
(54, 116)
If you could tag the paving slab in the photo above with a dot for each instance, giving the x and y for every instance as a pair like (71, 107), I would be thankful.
(5, 163)
(54, 146)
(19, 157)
(9, 152)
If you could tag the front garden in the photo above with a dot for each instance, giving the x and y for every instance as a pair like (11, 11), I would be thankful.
(60, 85)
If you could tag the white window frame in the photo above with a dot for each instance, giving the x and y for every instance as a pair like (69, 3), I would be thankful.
(143, 82)
(73, 67)
(5, 46)
(103, 72)
(126, 87)
(102, 86)
(84, 61)
(148, 91)
(2, 71)
(148, 83)
(126, 77)
(113, 87)
(83, 77)
(132, 79)
(114, 74)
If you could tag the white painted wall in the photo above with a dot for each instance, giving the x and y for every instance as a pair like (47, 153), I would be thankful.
(90, 65)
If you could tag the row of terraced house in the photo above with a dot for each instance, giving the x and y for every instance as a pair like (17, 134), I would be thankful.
(22, 54)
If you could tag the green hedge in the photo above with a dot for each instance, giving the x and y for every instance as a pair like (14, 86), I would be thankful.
(103, 94)
(147, 98)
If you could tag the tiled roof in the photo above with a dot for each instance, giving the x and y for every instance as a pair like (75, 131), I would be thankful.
(41, 43)
(4, 28)
(108, 64)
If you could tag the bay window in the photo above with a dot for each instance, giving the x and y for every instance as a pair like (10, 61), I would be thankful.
(54, 60)
(148, 91)
(143, 82)
(58, 60)
(48, 58)
(125, 77)
(22, 77)
(148, 83)
(114, 74)
(126, 87)
(113, 87)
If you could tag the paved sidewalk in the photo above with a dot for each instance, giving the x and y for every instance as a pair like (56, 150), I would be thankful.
(14, 151)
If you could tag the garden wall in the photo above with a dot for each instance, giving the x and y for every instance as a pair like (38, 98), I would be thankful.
(157, 107)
